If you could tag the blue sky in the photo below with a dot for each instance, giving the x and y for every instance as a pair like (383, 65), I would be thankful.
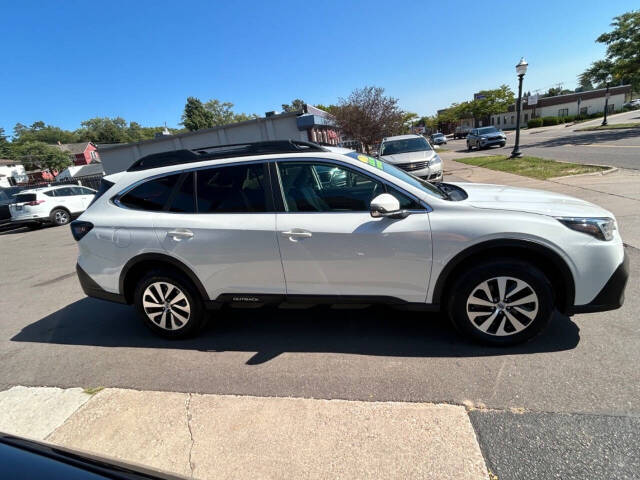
(67, 61)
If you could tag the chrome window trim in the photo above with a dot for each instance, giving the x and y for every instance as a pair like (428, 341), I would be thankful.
(115, 199)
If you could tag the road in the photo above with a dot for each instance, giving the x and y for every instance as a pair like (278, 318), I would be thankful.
(51, 335)
(619, 148)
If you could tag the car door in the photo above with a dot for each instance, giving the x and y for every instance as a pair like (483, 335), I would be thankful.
(220, 222)
(331, 246)
(66, 197)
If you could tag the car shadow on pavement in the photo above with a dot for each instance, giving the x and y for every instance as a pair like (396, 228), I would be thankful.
(272, 331)
(587, 138)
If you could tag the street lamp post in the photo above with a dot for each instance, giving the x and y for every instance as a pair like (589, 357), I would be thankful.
(606, 100)
(521, 69)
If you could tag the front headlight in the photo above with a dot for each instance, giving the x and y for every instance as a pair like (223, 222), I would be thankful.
(435, 161)
(599, 227)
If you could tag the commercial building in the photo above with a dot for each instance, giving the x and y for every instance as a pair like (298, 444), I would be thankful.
(572, 104)
(310, 124)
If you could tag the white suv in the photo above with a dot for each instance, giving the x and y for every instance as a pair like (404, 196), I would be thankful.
(56, 205)
(413, 154)
(182, 232)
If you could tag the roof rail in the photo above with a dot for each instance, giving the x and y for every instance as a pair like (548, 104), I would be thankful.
(177, 157)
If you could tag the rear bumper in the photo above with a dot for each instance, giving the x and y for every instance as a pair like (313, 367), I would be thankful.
(92, 289)
(611, 296)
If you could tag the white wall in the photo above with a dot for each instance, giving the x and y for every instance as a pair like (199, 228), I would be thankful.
(593, 105)
(16, 171)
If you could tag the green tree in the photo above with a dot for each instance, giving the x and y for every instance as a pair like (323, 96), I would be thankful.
(492, 101)
(623, 53)
(367, 115)
(409, 119)
(5, 145)
(223, 113)
(195, 116)
(40, 132)
(40, 155)
(296, 105)
(104, 130)
(327, 108)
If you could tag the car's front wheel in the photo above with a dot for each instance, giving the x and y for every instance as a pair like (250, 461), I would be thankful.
(468, 146)
(169, 304)
(501, 302)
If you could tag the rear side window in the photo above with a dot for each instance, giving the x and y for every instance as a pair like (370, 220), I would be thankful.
(64, 192)
(25, 197)
(50, 193)
(152, 195)
(233, 189)
(104, 186)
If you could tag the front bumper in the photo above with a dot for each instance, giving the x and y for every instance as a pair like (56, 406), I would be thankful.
(611, 296)
(92, 289)
(495, 141)
(432, 174)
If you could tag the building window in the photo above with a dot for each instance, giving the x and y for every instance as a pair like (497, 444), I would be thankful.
(505, 120)
(563, 112)
(493, 121)
(513, 119)
(94, 155)
(498, 119)
(526, 117)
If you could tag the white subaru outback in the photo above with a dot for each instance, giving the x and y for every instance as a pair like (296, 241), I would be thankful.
(183, 232)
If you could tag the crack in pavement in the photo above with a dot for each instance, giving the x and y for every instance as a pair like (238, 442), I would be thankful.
(187, 406)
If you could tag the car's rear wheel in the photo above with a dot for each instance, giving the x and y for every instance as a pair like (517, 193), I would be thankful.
(169, 304)
(468, 146)
(501, 302)
(60, 216)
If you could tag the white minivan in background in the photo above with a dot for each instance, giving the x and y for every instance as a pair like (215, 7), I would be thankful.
(50, 205)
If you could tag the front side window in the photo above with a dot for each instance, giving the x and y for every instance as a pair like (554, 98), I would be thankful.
(416, 144)
(64, 192)
(151, 195)
(232, 189)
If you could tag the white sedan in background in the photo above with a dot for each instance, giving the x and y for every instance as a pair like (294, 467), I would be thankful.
(50, 205)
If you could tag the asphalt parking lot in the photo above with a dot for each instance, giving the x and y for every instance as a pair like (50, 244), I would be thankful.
(51, 335)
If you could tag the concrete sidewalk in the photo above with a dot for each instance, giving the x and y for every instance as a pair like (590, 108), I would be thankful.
(221, 436)
(618, 192)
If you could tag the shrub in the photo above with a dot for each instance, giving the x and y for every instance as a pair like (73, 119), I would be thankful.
(534, 122)
(546, 121)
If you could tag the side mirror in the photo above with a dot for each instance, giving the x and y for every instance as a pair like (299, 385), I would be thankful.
(386, 205)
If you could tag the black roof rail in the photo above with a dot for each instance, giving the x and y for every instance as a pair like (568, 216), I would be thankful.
(177, 157)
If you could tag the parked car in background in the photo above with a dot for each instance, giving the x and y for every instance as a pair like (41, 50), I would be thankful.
(484, 137)
(461, 132)
(293, 222)
(635, 103)
(7, 198)
(438, 139)
(50, 205)
(412, 153)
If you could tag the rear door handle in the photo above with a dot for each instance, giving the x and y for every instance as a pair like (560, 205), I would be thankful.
(179, 235)
(296, 234)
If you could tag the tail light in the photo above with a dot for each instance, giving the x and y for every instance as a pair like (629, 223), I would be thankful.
(34, 203)
(79, 229)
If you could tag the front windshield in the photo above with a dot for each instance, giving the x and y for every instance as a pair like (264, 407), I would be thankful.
(487, 130)
(416, 144)
(399, 174)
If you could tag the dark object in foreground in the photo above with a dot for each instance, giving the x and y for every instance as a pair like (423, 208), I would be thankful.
(27, 460)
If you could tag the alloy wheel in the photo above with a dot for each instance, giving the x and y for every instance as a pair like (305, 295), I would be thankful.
(166, 305)
(502, 306)
(61, 217)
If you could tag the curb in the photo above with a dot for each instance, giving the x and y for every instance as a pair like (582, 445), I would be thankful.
(602, 173)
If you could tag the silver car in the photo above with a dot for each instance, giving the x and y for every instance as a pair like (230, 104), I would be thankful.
(413, 154)
(485, 137)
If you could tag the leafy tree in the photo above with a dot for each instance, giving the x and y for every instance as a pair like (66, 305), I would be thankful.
(195, 116)
(493, 101)
(5, 145)
(40, 155)
(409, 119)
(296, 105)
(223, 113)
(104, 130)
(40, 132)
(327, 108)
(623, 53)
(367, 115)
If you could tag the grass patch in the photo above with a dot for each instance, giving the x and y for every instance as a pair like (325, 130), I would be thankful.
(614, 126)
(92, 390)
(533, 167)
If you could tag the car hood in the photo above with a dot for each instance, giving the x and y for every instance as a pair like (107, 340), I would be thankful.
(409, 157)
(501, 197)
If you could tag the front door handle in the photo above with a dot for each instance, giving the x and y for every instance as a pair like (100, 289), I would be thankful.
(179, 235)
(296, 234)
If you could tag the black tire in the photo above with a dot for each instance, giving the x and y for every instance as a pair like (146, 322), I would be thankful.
(510, 325)
(468, 146)
(173, 319)
(502, 144)
(60, 216)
